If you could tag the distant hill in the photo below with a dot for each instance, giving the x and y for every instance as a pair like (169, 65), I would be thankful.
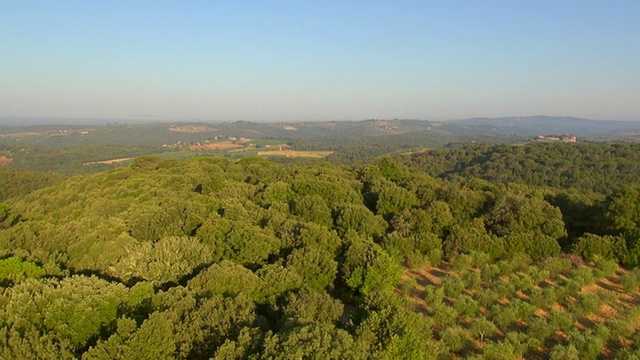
(479, 126)
(536, 125)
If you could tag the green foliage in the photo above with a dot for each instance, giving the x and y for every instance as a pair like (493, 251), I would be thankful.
(312, 208)
(309, 306)
(276, 281)
(452, 286)
(166, 260)
(472, 239)
(225, 278)
(592, 246)
(455, 338)
(75, 309)
(153, 340)
(368, 269)
(359, 219)
(213, 258)
(246, 244)
(17, 182)
(466, 306)
(629, 282)
(482, 328)
(568, 352)
(14, 270)
(316, 266)
(588, 167)
(312, 341)
(145, 162)
(517, 214)
(31, 344)
(606, 266)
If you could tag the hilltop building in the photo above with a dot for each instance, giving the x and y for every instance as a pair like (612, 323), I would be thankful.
(557, 138)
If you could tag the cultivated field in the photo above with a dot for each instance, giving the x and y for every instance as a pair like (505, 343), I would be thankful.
(108, 162)
(540, 310)
(293, 153)
(214, 146)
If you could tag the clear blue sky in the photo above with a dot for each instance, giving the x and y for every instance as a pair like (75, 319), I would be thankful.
(319, 60)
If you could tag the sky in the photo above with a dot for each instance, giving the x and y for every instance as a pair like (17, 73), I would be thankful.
(319, 60)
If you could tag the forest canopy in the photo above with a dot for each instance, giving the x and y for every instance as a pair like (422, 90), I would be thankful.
(234, 259)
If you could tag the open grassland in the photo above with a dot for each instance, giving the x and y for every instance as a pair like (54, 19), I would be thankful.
(23, 134)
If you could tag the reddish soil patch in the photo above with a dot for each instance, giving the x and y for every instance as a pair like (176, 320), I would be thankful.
(5, 160)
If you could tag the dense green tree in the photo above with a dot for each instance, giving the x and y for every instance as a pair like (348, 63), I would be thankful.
(316, 266)
(367, 268)
(166, 260)
(14, 269)
(312, 208)
(358, 218)
(308, 306)
(311, 341)
(75, 310)
(467, 239)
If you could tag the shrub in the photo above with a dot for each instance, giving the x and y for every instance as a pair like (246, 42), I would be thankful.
(408, 286)
(568, 352)
(592, 246)
(487, 297)
(416, 261)
(540, 329)
(522, 282)
(452, 285)
(471, 279)
(482, 328)
(466, 306)
(453, 338)
(433, 295)
(561, 320)
(583, 276)
(490, 272)
(557, 266)
(607, 266)
(503, 316)
(523, 310)
(444, 315)
(479, 259)
(619, 328)
(629, 283)
(462, 263)
(504, 289)
(538, 274)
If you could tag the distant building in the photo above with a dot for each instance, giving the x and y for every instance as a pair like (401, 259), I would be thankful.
(557, 138)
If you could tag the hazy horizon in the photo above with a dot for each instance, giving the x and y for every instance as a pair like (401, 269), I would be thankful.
(266, 61)
(16, 122)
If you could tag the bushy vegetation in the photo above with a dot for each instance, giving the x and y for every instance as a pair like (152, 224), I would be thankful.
(601, 168)
(219, 258)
